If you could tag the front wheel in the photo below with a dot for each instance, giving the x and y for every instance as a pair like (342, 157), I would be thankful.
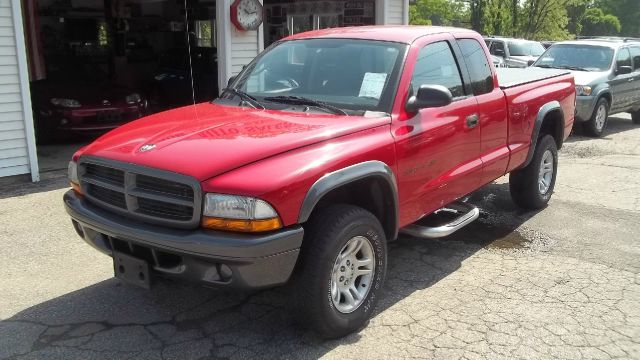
(531, 187)
(342, 270)
(598, 122)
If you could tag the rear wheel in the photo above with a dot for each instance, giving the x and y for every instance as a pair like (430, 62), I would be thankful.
(635, 117)
(342, 270)
(598, 122)
(531, 187)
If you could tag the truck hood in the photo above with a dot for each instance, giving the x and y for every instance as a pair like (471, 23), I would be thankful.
(206, 140)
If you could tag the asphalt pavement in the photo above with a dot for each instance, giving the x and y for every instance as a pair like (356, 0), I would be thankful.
(559, 283)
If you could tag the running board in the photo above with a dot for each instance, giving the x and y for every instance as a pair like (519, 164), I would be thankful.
(468, 213)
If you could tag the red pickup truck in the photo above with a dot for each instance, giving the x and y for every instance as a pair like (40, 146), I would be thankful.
(318, 154)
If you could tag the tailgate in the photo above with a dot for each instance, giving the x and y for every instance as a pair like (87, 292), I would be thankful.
(510, 77)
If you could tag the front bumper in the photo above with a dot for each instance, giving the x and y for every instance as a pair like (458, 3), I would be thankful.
(211, 257)
(584, 107)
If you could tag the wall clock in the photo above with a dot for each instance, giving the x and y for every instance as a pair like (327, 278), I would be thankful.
(246, 14)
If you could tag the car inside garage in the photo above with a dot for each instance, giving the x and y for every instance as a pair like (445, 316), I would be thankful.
(97, 64)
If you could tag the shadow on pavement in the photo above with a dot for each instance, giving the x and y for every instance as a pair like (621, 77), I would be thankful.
(110, 320)
(615, 124)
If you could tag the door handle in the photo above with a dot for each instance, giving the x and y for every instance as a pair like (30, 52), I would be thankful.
(472, 121)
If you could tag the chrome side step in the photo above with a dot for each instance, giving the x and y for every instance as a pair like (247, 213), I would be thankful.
(468, 213)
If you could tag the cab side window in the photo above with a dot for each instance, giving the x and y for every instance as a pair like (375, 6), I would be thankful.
(624, 58)
(436, 65)
(635, 57)
(479, 70)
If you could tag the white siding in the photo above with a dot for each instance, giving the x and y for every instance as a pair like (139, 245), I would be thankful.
(14, 154)
(395, 12)
(244, 47)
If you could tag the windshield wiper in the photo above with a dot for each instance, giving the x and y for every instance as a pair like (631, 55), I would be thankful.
(576, 68)
(299, 100)
(545, 66)
(244, 96)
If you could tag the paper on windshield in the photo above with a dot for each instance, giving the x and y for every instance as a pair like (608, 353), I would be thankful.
(372, 85)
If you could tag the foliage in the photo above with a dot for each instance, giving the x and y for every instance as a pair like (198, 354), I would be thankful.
(627, 11)
(595, 22)
(534, 19)
(438, 12)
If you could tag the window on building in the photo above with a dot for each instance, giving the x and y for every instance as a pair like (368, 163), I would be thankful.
(205, 33)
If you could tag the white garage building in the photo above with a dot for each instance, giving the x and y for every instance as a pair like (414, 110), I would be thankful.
(18, 155)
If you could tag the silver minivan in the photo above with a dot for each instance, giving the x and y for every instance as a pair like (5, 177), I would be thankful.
(607, 73)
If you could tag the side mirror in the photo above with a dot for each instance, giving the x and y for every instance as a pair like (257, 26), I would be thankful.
(499, 52)
(622, 70)
(530, 62)
(429, 96)
(231, 80)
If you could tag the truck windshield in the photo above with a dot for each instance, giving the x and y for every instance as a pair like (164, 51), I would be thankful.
(351, 75)
(525, 48)
(577, 57)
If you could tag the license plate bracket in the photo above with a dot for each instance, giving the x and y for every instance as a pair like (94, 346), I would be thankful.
(131, 270)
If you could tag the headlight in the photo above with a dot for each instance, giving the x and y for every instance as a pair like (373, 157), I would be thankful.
(583, 90)
(73, 177)
(133, 98)
(66, 103)
(238, 213)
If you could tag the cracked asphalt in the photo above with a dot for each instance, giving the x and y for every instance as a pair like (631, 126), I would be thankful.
(560, 283)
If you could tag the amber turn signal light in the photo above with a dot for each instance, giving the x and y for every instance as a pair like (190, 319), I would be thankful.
(75, 188)
(261, 225)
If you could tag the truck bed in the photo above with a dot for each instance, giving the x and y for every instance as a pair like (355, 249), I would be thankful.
(509, 77)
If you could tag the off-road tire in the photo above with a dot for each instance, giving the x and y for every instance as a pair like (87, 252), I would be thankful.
(524, 183)
(326, 234)
(591, 127)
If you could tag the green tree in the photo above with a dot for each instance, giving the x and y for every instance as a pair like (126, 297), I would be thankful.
(497, 18)
(544, 19)
(595, 22)
(628, 13)
(437, 12)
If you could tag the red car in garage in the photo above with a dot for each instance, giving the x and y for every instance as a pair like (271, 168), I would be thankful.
(80, 99)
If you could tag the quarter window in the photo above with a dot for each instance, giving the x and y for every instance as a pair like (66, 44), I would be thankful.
(479, 70)
(436, 65)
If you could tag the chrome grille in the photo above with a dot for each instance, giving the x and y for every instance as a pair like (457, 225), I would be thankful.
(152, 195)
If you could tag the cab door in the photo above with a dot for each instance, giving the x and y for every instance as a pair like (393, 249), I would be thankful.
(438, 149)
(492, 112)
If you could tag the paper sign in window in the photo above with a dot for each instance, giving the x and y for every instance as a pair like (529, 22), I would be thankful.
(372, 85)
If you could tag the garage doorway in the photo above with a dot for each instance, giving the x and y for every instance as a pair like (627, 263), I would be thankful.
(97, 64)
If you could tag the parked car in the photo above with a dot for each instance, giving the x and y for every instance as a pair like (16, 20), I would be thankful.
(308, 165)
(78, 98)
(517, 53)
(607, 74)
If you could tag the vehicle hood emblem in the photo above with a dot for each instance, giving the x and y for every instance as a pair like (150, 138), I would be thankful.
(147, 147)
(106, 102)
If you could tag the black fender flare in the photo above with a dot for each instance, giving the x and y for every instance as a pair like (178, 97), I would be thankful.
(542, 114)
(344, 176)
